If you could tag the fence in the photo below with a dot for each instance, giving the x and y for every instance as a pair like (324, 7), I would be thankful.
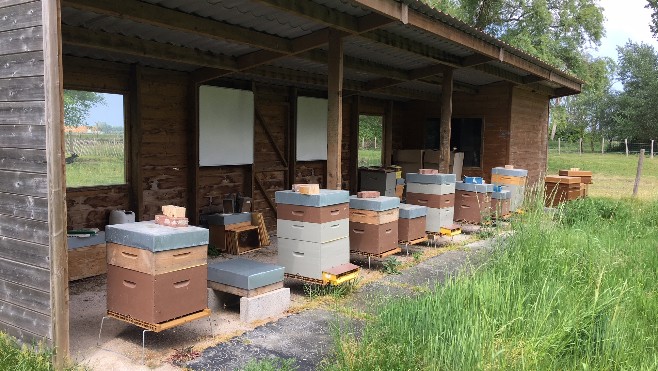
(623, 146)
(95, 145)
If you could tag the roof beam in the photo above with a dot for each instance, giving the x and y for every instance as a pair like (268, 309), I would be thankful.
(79, 36)
(399, 42)
(179, 21)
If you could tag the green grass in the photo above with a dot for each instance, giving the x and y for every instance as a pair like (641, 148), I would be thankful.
(95, 171)
(370, 157)
(576, 290)
(23, 358)
(614, 174)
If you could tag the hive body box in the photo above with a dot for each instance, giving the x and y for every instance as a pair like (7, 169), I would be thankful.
(500, 203)
(560, 189)
(374, 224)
(472, 202)
(378, 179)
(437, 193)
(513, 180)
(312, 231)
(156, 273)
(412, 222)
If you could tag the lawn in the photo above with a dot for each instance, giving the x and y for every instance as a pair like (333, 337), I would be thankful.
(370, 157)
(614, 174)
(572, 290)
(95, 171)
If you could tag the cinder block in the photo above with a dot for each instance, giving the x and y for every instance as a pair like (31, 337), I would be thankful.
(325, 198)
(477, 188)
(375, 204)
(226, 219)
(509, 172)
(431, 178)
(154, 237)
(263, 306)
(408, 211)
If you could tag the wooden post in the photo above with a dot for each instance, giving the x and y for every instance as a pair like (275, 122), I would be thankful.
(652, 148)
(559, 145)
(580, 146)
(626, 143)
(135, 122)
(292, 137)
(54, 122)
(387, 141)
(192, 148)
(354, 145)
(638, 175)
(602, 145)
(335, 110)
(375, 142)
(446, 118)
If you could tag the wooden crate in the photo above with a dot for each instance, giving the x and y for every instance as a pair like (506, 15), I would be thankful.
(242, 239)
(87, 261)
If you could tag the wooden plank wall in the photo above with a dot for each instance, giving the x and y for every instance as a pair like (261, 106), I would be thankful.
(492, 103)
(25, 302)
(529, 132)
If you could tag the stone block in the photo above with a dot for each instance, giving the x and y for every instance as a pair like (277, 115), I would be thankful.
(263, 306)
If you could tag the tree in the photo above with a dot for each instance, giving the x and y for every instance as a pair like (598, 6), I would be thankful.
(653, 6)
(77, 104)
(637, 117)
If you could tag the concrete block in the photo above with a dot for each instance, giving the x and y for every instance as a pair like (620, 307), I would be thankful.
(412, 211)
(226, 219)
(245, 274)
(263, 306)
(431, 178)
(325, 198)
(155, 237)
(509, 172)
(375, 204)
(477, 188)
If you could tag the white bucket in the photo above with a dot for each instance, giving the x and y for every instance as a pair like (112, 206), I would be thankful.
(121, 216)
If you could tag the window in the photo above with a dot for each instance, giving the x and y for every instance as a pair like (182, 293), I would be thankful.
(94, 132)
(370, 140)
(466, 136)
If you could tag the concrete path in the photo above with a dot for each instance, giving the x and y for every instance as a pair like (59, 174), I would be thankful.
(307, 336)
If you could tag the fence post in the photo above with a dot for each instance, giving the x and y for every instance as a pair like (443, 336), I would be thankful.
(626, 143)
(559, 145)
(651, 148)
(375, 142)
(639, 173)
(602, 145)
(363, 142)
(580, 146)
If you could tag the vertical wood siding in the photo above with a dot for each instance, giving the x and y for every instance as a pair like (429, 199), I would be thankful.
(24, 253)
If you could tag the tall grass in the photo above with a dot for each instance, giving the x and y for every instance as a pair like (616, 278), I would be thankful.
(573, 290)
(17, 357)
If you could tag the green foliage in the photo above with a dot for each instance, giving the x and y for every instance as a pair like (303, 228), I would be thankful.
(392, 265)
(16, 357)
(417, 255)
(653, 6)
(270, 364)
(335, 291)
(577, 291)
(77, 104)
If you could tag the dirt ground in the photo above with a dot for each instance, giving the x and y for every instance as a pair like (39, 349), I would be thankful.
(120, 344)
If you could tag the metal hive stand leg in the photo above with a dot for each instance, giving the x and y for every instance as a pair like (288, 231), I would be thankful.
(143, 341)
(98, 343)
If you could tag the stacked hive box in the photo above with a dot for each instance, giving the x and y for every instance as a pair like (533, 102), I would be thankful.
(560, 189)
(374, 224)
(156, 273)
(312, 231)
(500, 202)
(513, 180)
(382, 180)
(585, 179)
(472, 202)
(437, 193)
(412, 222)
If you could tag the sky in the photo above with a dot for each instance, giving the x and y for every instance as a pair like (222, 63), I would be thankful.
(624, 20)
(111, 112)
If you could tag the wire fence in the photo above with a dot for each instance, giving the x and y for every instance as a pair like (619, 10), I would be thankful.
(602, 146)
(95, 145)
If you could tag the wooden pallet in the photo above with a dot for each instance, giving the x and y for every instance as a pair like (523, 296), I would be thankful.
(380, 255)
(157, 327)
(414, 242)
(257, 220)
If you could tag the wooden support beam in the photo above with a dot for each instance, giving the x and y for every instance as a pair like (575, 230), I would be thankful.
(159, 16)
(415, 47)
(354, 145)
(193, 153)
(335, 112)
(54, 122)
(387, 144)
(270, 138)
(135, 127)
(79, 36)
(446, 119)
(292, 136)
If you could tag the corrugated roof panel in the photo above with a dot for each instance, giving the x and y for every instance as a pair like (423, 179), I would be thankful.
(365, 49)
(94, 21)
(343, 7)
(474, 77)
(428, 39)
(77, 51)
(421, 86)
(250, 14)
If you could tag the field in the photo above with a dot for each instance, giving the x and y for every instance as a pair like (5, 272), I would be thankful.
(370, 157)
(614, 174)
(100, 159)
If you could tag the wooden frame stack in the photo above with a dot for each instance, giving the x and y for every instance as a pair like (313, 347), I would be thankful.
(513, 180)
(374, 224)
(312, 232)
(585, 179)
(156, 273)
(437, 193)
